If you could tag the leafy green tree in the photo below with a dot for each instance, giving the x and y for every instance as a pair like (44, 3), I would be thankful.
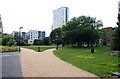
(37, 42)
(5, 40)
(1, 36)
(22, 43)
(11, 42)
(46, 41)
(116, 36)
(18, 39)
(53, 36)
(78, 31)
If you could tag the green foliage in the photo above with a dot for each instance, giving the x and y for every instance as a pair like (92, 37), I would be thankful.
(53, 37)
(79, 30)
(19, 40)
(100, 63)
(1, 36)
(11, 42)
(37, 42)
(46, 41)
(116, 36)
(5, 40)
(116, 40)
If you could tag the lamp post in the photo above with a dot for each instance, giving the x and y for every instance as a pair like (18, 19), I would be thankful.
(56, 39)
(92, 48)
(19, 36)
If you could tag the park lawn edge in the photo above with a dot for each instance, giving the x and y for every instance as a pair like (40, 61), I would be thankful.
(57, 53)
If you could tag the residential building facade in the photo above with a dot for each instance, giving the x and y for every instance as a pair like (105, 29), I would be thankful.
(119, 7)
(60, 17)
(23, 35)
(109, 32)
(34, 34)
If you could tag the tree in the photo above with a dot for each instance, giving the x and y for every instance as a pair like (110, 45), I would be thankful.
(5, 40)
(53, 36)
(116, 36)
(19, 40)
(11, 42)
(37, 42)
(46, 41)
(1, 36)
(78, 31)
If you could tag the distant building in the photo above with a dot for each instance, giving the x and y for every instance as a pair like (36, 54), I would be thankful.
(24, 35)
(41, 34)
(60, 17)
(109, 32)
(13, 33)
(1, 27)
(6, 34)
(34, 34)
(119, 7)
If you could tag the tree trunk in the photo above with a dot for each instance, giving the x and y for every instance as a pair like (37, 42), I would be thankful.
(88, 45)
(78, 44)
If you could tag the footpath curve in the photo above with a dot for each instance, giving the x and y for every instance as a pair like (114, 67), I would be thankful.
(46, 64)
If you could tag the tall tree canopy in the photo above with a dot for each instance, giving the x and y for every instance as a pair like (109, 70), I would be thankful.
(78, 31)
(55, 35)
(116, 36)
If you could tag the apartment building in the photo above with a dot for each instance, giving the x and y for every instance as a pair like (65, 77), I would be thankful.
(60, 17)
(109, 32)
(119, 7)
(34, 34)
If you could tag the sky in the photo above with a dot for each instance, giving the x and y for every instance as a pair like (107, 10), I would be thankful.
(38, 14)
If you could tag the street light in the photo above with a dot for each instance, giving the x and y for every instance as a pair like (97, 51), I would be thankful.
(19, 36)
(56, 39)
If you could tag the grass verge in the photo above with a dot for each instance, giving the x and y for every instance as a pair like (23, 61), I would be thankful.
(100, 63)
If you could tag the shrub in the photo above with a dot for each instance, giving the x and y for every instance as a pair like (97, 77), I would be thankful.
(9, 49)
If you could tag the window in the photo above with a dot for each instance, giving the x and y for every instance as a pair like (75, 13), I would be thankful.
(108, 36)
(108, 40)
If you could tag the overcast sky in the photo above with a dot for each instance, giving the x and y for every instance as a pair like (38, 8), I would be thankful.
(38, 14)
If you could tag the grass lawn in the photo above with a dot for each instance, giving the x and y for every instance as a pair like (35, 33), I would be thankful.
(100, 63)
(8, 49)
(42, 48)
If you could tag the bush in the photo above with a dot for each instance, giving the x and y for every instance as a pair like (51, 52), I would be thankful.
(11, 42)
(21, 43)
(9, 49)
(46, 41)
(37, 42)
(5, 40)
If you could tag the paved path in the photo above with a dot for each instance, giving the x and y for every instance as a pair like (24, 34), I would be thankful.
(11, 65)
(46, 64)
